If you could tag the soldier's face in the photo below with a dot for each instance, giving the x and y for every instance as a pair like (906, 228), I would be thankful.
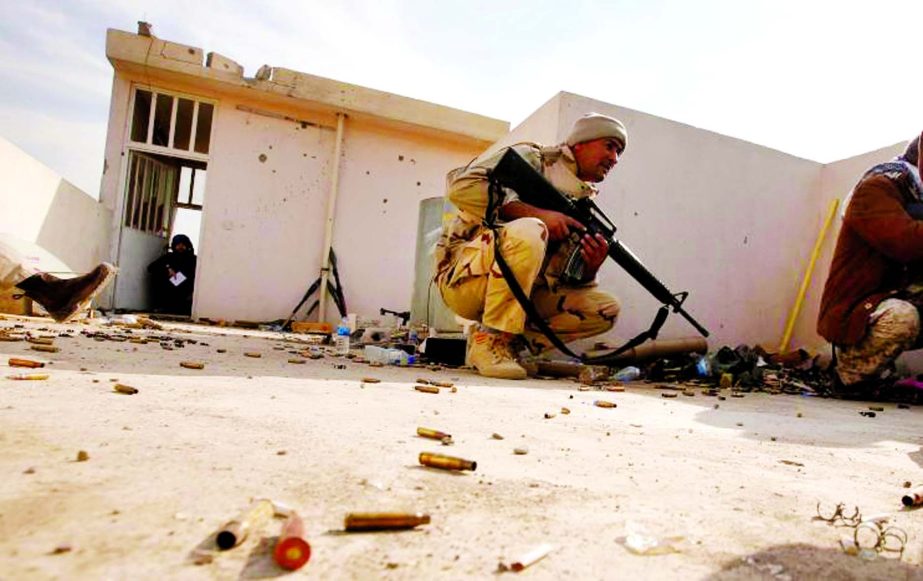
(595, 158)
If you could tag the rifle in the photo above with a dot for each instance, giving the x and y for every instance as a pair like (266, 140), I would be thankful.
(516, 173)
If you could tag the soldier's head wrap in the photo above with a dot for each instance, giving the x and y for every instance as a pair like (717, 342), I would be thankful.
(597, 126)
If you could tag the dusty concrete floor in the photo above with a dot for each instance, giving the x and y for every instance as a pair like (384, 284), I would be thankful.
(169, 465)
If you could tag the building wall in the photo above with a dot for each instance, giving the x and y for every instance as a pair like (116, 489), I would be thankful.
(266, 203)
(39, 206)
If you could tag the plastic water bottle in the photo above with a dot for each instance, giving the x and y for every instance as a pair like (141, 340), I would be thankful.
(376, 354)
(341, 341)
(703, 366)
(627, 374)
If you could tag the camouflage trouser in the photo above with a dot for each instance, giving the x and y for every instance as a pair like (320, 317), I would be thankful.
(893, 328)
(475, 289)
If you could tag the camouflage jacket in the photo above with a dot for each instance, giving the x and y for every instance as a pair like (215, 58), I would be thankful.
(467, 188)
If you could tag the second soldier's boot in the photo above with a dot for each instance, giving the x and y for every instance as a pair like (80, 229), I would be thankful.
(65, 297)
(492, 355)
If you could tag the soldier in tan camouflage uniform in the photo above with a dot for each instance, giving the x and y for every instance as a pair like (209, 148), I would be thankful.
(536, 244)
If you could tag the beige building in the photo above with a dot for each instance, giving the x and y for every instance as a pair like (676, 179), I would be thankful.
(283, 165)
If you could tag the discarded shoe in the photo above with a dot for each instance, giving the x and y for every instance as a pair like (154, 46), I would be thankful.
(65, 297)
(492, 355)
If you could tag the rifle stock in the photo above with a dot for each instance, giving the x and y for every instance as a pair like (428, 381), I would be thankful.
(517, 174)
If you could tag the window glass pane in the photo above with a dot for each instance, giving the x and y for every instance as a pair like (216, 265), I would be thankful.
(183, 129)
(203, 127)
(185, 183)
(198, 188)
(140, 116)
(162, 115)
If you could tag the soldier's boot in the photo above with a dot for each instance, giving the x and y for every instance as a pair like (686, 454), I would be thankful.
(492, 355)
(65, 297)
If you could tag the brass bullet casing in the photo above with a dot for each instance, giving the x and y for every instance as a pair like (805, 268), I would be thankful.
(40, 340)
(126, 389)
(383, 521)
(45, 348)
(253, 354)
(446, 462)
(442, 383)
(235, 532)
(29, 376)
(601, 403)
(14, 362)
(913, 497)
(426, 388)
(432, 434)
(192, 364)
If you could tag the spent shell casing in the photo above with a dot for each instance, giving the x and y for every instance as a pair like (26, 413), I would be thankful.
(45, 348)
(15, 362)
(913, 497)
(432, 434)
(382, 521)
(426, 388)
(126, 389)
(292, 551)
(192, 364)
(41, 340)
(29, 376)
(600, 403)
(446, 462)
(235, 532)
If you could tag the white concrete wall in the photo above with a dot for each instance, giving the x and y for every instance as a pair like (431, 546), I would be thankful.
(38, 205)
(263, 222)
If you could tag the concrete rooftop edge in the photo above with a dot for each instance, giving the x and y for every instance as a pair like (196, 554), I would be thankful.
(148, 54)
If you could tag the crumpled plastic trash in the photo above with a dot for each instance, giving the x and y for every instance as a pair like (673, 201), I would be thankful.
(639, 542)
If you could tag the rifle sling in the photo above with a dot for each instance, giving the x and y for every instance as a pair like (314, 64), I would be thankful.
(532, 314)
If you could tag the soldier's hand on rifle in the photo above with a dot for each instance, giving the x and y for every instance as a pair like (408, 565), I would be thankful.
(594, 250)
(559, 225)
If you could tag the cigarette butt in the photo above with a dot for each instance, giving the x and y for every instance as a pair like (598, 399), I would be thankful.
(29, 376)
(126, 389)
(432, 434)
(426, 388)
(913, 497)
(235, 532)
(192, 364)
(14, 362)
(45, 348)
(446, 462)
(292, 551)
(601, 403)
(532, 557)
(253, 354)
(381, 521)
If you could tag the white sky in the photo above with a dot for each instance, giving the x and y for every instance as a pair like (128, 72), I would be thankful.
(819, 79)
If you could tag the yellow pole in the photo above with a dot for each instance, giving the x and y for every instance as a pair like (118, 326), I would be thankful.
(793, 316)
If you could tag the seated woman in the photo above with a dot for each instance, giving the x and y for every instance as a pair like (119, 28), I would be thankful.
(173, 277)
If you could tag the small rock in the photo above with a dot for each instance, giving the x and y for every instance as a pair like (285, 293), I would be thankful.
(907, 484)
(83, 456)
(31, 470)
(281, 453)
(799, 414)
(740, 424)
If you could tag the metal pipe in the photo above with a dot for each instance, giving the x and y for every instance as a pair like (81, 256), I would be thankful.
(331, 212)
